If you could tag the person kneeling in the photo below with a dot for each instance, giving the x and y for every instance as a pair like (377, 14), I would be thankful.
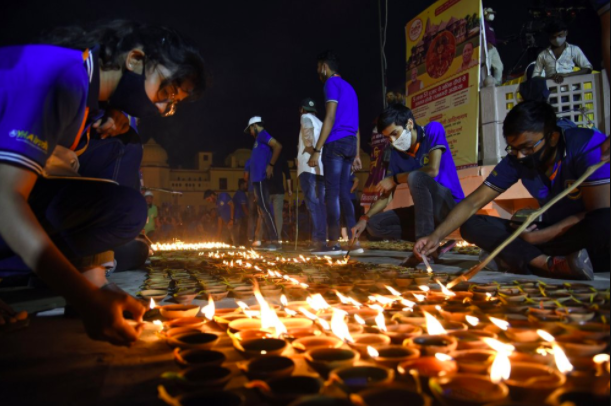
(574, 241)
(421, 158)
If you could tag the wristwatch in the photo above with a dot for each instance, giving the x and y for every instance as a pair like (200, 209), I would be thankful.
(364, 217)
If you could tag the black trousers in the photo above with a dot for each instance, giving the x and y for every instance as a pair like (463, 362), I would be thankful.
(592, 234)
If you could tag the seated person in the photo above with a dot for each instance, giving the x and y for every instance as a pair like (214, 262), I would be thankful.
(573, 240)
(558, 61)
(421, 158)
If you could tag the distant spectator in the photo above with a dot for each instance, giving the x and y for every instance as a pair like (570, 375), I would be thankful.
(152, 219)
(225, 211)
(277, 190)
(558, 61)
(240, 219)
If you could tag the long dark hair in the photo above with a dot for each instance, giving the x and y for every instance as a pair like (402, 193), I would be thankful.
(161, 45)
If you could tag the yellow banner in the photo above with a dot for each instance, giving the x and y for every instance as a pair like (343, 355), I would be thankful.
(443, 59)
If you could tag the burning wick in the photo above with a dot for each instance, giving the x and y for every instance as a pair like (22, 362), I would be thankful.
(159, 324)
(502, 324)
(474, 321)
(209, 310)
(373, 353)
(424, 288)
(562, 362)
(359, 319)
(600, 360)
(427, 264)
(152, 304)
(393, 291)
(443, 357)
(501, 367)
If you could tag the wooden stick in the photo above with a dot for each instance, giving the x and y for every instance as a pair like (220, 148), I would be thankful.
(297, 216)
(535, 215)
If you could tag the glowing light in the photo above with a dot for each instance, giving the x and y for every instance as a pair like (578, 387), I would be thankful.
(447, 292)
(443, 357)
(339, 326)
(348, 300)
(359, 319)
(502, 324)
(424, 288)
(472, 320)
(420, 298)
(408, 303)
(181, 246)
(208, 311)
(381, 299)
(159, 324)
(501, 367)
(152, 304)
(381, 322)
(317, 302)
(601, 358)
(433, 326)
(562, 362)
(373, 353)
(393, 291)
(427, 264)
(284, 301)
(269, 318)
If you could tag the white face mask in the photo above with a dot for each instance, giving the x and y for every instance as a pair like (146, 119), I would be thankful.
(403, 142)
(558, 41)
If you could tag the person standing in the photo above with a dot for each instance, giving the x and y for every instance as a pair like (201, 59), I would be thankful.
(241, 210)
(311, 178)
(558, 61)
(277, 190)
(340, 137)
(225, 211)
(152, 217)
(265, 153)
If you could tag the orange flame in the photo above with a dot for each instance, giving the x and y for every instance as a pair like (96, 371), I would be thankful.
(443, 357)
(152, 304)
(447, 292)
(393, 291)
(472, 320)
(373, 353)
(562, 362)
(317, 302)
(209, 310)
(501, 367)
(381, 322)
(502, 324)
(339, 326)
(433, 326)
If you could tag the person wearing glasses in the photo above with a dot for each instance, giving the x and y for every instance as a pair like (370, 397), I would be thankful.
(61, 227)
(572, 240)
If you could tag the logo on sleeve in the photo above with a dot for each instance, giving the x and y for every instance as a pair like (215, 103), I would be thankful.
(575, 194)
(30, 139)
(425, 160)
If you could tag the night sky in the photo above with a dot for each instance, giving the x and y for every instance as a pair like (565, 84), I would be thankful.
(261, 57)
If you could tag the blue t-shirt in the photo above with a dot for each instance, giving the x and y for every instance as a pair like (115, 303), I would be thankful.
(43, 97)
(581, 150)
(239, 198)
(346, 124)
(260, 157)
(430, 138)
(222, 206)
(247, 170)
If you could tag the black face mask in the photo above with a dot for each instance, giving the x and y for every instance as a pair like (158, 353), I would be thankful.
(130, 96)
(537, 159)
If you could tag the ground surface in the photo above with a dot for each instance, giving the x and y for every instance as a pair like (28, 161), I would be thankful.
(53, 362)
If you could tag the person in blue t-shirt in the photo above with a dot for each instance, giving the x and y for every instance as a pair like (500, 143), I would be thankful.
(421, 158)
(225, 210)
(64, 228)
(265, 153)
(340, 156)
(240, 218)
(572, 240)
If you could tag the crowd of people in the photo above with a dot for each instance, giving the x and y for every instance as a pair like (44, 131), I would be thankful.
(74, 123)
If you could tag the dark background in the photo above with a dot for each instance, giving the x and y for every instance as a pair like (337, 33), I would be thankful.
(261, 56)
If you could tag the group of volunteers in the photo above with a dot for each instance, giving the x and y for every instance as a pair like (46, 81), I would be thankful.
(69, 182)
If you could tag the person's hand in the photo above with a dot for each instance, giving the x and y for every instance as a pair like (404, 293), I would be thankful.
(357, 165)
(269, 171)
(358, 229)
(112, 124)
(103, 317)
(290, 192)
(314, 158)
(605, 150)
(308, 150)
(533, 236)
(558, 78)
(386, 185)
(426, 246)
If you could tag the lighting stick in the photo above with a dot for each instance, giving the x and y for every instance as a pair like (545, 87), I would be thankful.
(297, 216)
(534, 216)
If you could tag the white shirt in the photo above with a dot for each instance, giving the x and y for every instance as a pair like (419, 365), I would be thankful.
(310, 124)
(547, 65)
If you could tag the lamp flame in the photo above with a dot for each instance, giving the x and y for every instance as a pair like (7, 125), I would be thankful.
(209, 310)
(159, 324)
(501, 367)
(339, 326)
(433, 326)
(317, 302)
(562, 362)
(393, 291)
(420, 298)
(424, 288)
(359, 319)
(447, 292)
(472, 320)
(443, 357)
(373, 353)
(284, 301)
(381, 322)
(152, 304)
(502, 324)
(601, 358)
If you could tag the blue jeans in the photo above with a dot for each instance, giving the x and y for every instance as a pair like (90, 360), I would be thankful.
(313, 187)
(263, 200)
(112, 159)
(85, 218)
(337, 159)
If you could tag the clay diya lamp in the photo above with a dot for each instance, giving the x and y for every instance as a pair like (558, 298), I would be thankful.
(575, 346)
(362, 341)
(212, 397)
(472, 339)
(578, 397)
(454, 326)
(391, 396)
(431, 345)
(522, 335)
(223, 320)
(282, 391)
(344, 287)
(319, 288)
(422, 369)
(404, 282)
(296, 333)
(251, 335)
(217, 295)
(590, 331)
(355, 328)
(576, 314)
(243, 292)
(259, 347)
(368, 315)
(185, 297)
(193, 340)
(533, 382)
(243, 324)
(421, 280)
(155, 294)
(588, 375)
(177, 311)
(474, 361)
(324, 360)
(398, 333)
(191, 322)
(297, 322)
(467, 390)
(200, 377)
(268, 367)
(190, 358)
(310, 343)
(271, 292)
(392, 355)
(357, 378)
